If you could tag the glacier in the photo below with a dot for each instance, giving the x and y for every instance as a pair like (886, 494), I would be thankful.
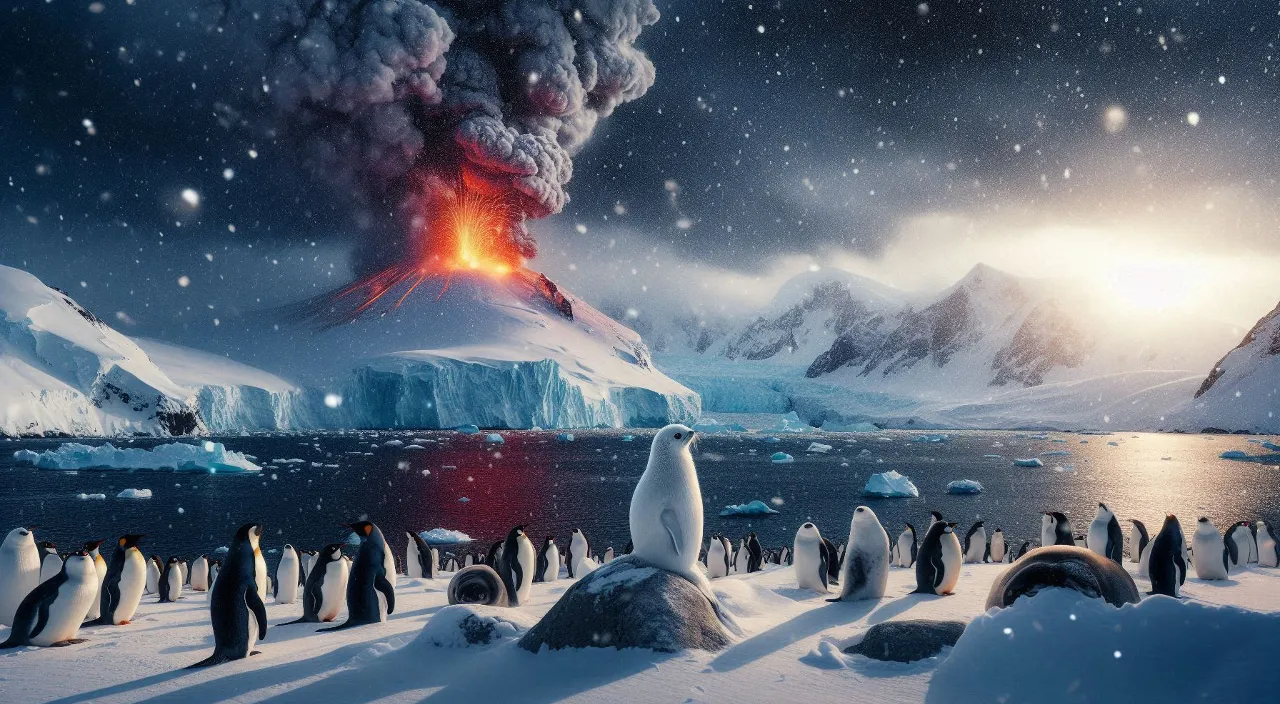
(181, 457)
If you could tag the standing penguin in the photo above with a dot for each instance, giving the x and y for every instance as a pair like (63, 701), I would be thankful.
(934, 517)
(19, 571)
(717, 559)
(784, 556)
(1253, 541)
(50, 560)
(548, 569)
(53, 612)
(1026, 545)
(608, 555)
(1238, 541)
(997, 550)
(425, 558)
(122, 586)
(1105, 536)
(412, 565)
(326, 587)
(1055, 529)
(833, 562)
(1268, 546)
(200, 574)
(906, 546)
(370, 595)
(1137, 541)
(865, 573)
(939, 561)
(100, 567)
(286, 583)
(154, 568)
(236, 611)
(1165, 558)
(1209, 554)
(755, 556)
(183, 573)
(214, 566)
(171, 581)
(741, 558)
(516, 566)
(580, 562)
(975, 543)
(810, 559)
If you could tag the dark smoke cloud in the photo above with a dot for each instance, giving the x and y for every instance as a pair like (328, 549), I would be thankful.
(399, 101)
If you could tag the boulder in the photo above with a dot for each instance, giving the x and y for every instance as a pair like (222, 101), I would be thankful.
(907, 641)
(628, 603)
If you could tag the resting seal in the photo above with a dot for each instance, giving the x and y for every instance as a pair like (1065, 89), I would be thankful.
(1067, 567)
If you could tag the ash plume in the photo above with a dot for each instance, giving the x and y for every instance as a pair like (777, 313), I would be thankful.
(403, 103)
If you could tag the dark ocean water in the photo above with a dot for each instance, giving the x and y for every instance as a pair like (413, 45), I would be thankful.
(553, 487)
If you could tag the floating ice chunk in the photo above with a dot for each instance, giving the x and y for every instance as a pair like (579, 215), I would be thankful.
(134, 494)
(890, 485)
(564, 437)
(1029, 462)
(711, 425)
(468, 430)
(494, 438)
(1241, 456)
(781, 458)
(790, 423)
(628, 438)
(463, 500)
(1113, 443)
(751, 508)
(444, 536)
(210, 457)
(994, 457)
(222, 550)
(858, 427)
(293, 460)
(964, 486)
(818, 447)
(932, 438)
(394, 443)
(414, 447)
(864, 452)
(771, 440)
(91, 497)
(1270, 445)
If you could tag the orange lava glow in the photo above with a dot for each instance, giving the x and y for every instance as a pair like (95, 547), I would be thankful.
(476, 226)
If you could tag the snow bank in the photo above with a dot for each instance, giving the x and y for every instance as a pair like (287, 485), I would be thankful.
(752, 508)
(1161, 650)
(207, 457)
(964, 486)
(890, 485)
(444, 536)
(134, 494)
(467, 625)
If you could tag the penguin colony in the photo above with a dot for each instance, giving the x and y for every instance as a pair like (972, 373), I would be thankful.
(46, 597)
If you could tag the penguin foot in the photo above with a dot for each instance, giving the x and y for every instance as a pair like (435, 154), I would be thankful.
(255, 652)
(69, 641)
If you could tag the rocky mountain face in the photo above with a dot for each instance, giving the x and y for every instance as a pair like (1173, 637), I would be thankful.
(1242, 391)
(829, 311)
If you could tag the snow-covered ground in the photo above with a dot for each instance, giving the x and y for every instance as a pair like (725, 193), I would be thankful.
(790, 652)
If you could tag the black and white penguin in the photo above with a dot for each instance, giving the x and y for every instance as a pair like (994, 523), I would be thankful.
(1105, 537)
(934, 517)
(200, 574)
(1026, 545)
(1138, 541)
(123, 584)
(810, 559)
(1238, 541)
(516, 565)
(428, 558)
(326, 587)
(997, 551)
(371, 596)
(50, 560)
(53, 612)
(155, 566)
(939, 560)
(19, 571)
(171, 581)
(975, 543)
(784, 556)
(100, 567)
(904, 549)
(214, 566)
(495, 551)
(1253, 541)
(286, 588)
(578, 558)
(548, 569)
(1055, 529)
(236, 611)
(1268, 546)
(468, 560)
(755, 556)
(865, 573)
(184, 571)
(833, 562)
(741, 557)
(608, 554)
(1166, 562)
(717, 558)
(1210, 555)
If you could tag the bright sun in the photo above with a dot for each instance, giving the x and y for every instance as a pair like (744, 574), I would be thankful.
(1151, 287)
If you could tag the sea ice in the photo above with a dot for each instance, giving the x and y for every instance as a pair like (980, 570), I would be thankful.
(444, 536)
(890, 485)
(781, 458)
(964, 486)
(93, 497)
(468, 429)
(494, 438)
(932, 438)
(134, 494)
(751, 508)
(208, 457)
(1030, 462)
(818, 447)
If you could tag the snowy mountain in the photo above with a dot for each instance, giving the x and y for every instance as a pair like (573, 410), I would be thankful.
(1242, 391)
(65, 372)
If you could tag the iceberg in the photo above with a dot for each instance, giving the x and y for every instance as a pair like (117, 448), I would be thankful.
(1030, 462)
(964, 486)
(752, 508)
(494, 439)
(890, 485)
(818, 447)
(134, 494)
(790, 423)
(781, 458)
(208, 457)
(1241, 456)
(444, 536)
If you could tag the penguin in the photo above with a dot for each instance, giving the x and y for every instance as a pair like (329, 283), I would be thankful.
(1210, 554)
(833, 562)
(810, 559)
(516, 566)
(286, 583)
(371, 597)
(1055, 529)
(578, 559)
(214, 566)
(631, 546)
(784, 556)
(236, 610)
(183, 571)
(122, 586)
(99, 567)
(755, 557)
(548, 569)
(154, 568)
(608, 554)
(51, 615)
(938, 563)
(1268, 546)
(495, 551)
(1253, 541)
(1137, 541)
(50, 560)
(934, 517)
(1238, 540)
(200, 574)
(452, 566)
(1165, 559)
(717, 559)
(19, 571)
(425, 557)
(906, 546)
(412, 563)
(171, 581)
(728, 553)
(865, 571)
(261, 578)
(997, 551)
(741, 558)
(324, 592)
(1026, 545)
(1105, 537)
(975, 543)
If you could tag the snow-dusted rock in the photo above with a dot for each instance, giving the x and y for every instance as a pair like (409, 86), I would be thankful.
(907, 640)
(890, 484)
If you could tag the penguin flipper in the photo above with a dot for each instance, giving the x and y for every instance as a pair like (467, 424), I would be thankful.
(939, 569)
(254, 602)
(42, 619)
(384, 586)
(671, 522)
(822, 565)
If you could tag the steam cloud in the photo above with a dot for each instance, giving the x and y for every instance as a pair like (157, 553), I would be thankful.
(400, 101)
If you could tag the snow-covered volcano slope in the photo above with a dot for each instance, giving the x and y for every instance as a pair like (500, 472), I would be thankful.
(1242, 391)
(64, 371)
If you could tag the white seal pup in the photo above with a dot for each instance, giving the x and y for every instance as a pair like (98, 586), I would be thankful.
(975, 543)
(19, 571)
(996, 549)
(1268, 546)
(1055, 529)
(1137, 541)
(287, 575)
(939, 561)
(864, 573)
(809, 559)
(53, 612)
(1105, 537)
(1208, 553)
(717, 559)
(906, 547)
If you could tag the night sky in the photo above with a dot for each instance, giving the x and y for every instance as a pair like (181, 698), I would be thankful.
(902, 140)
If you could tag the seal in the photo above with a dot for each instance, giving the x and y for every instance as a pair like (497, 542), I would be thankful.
(1067, 567)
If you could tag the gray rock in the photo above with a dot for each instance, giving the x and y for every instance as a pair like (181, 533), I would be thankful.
(907, 641)
(1066, 567)
(630, 604)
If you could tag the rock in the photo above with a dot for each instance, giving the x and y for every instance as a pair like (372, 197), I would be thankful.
(907, 641)
(469, 624)
(1065, 567)
(628, 603)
